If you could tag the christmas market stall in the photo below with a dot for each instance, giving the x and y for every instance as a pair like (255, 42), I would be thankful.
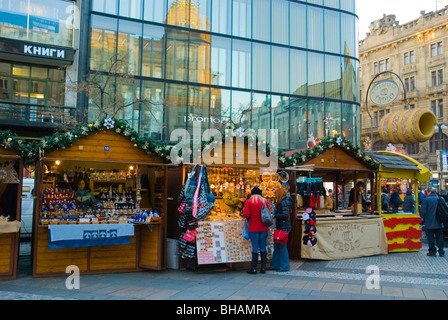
(229, 172)
(400, 175)
(11, 172)
(332, 220)
(101, 201)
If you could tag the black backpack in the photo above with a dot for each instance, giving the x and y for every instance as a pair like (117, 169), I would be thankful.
(442, 211)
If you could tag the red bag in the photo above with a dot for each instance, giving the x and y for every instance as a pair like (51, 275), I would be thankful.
(280, 236)
(190, 235)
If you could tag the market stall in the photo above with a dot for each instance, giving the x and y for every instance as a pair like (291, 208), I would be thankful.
(11, 172)
(218, 236)
(337, 165)
(402, 173)
(101, 201)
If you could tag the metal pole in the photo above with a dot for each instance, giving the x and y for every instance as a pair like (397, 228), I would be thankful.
(367, 101)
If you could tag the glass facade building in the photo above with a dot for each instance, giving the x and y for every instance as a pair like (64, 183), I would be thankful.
(271, 64)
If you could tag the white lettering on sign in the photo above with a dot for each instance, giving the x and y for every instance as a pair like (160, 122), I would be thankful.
(43, 52)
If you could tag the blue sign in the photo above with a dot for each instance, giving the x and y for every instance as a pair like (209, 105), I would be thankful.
(106, 148)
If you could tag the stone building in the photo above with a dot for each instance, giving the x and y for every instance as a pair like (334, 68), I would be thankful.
(414, 52)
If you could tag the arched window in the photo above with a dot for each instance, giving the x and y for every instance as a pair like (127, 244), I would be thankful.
(438, 143)
(412, 148)
(379, 146)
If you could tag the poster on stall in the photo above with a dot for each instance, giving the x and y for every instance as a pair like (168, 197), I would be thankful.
(222, 242)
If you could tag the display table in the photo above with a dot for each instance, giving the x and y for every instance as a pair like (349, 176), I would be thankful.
(403, 232)
(10, 227)
(221, 242)
(347, 237)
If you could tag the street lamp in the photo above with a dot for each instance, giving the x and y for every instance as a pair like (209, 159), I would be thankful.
(441, 128)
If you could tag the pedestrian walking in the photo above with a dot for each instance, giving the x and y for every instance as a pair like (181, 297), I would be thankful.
(434, 228)
(258, 232)
(282, 213)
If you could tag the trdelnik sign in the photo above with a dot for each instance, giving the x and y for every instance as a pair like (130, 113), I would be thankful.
(384, 93)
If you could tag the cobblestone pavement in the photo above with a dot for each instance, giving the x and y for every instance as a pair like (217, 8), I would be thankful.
(410, 275)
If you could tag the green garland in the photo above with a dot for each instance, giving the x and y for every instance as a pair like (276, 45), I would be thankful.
(327, 143)
(10, 141)
(66, 139)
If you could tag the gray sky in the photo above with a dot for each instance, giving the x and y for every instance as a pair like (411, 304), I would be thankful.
(405, 10)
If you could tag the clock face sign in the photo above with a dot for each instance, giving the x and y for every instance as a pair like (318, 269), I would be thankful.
(384, 93)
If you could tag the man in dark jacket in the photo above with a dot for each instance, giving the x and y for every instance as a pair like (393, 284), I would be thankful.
(434, 228)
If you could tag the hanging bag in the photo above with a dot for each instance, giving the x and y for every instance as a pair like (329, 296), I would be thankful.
(266, 216)
(245, 232)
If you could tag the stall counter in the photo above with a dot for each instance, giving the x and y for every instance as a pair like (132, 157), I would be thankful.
(347, 237)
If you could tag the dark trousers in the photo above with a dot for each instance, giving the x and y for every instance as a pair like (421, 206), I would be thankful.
(435, 236)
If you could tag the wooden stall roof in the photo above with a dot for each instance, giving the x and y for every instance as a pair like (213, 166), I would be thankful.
(106, 140)
(8, 154)
(104, 146)
(396, 165)
(331, 154)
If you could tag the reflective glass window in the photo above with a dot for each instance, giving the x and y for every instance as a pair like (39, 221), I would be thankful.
(128, 54)
(221, 54)
(350, 121)
(315, 74)
(332, 31)
(261, 67)
(298, 72)
(297, 24)
(222, 16)
(315, 23)
(261, 27)
(154, 10)
(241, 108)
(241, 18)
(220, 108)
(198, 107)
(348, 37)
(131, 9)
(199, 57)
(151, 120)
(241, 64)
(280, 21)
(348, 5)
(332, 3)
(126, 100)
(333, 76)
(319, 2)
(261, 111)
(280, 69)
(177, 54)
(332, 118)
(316, 116)
(175, 114)
(105, 6)
(349, 85)
(103, 42)
(298, 124)
(42, 21)
(153, 51)
(178, 13)
(200, 14)
(281, 115)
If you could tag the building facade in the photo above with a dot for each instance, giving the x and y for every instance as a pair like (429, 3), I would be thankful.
(271, 64)
(416, 53)
(38, 56)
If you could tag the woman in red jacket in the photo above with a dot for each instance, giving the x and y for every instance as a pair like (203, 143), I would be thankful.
(258, 232)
